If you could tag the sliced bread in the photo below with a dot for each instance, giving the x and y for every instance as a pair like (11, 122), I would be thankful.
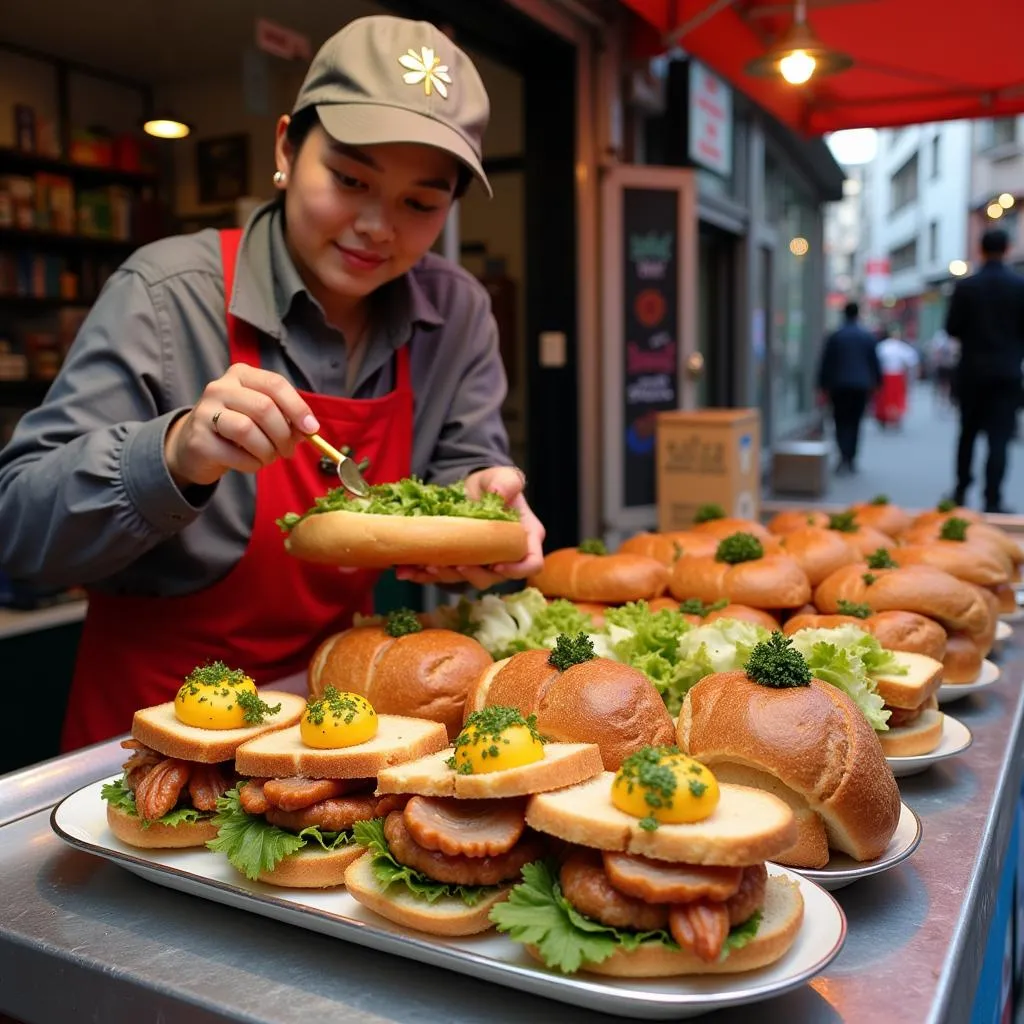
(922, 680)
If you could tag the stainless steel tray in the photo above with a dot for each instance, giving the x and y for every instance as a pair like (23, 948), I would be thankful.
(80, 820)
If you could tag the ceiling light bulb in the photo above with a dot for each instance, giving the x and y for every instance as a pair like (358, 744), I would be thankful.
(166, 128)
(1006, 201)
(797, 67)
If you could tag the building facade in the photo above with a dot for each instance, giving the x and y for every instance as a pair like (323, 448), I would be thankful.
(997, 184)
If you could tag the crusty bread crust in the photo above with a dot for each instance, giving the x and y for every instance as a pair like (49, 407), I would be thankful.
(921, 682)
(921, 736)
(815, 739)
(313, 867)
(722, 528)
(868, 540)
(782, 916)
(796, 519)
(908, 631)
(888, 519)
(423, 675)
(974, 563)
(158, 727)
(128, 828)
(446, 916)
(746, 827)
(370, 541)
(667, 547)
(606, 579)
(819, 552)
(922, 589)
(564, 764)
(774, 581)
(283, 755)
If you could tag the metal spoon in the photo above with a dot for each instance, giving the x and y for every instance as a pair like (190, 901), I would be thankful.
(348, 471)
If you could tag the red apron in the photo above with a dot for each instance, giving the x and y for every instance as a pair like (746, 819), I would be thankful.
(271, 610)
(891, 398)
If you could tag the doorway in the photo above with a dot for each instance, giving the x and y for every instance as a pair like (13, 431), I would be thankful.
(716, 315)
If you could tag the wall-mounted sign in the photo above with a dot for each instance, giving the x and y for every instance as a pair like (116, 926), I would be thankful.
(283, 42)
(710, 121)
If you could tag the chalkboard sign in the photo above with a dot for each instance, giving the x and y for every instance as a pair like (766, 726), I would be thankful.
(650, 312)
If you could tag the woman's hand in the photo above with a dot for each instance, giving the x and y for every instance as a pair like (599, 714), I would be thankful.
(507, 482)
(243, 420)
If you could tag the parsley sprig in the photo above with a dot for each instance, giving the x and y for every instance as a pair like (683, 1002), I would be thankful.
(777, 663)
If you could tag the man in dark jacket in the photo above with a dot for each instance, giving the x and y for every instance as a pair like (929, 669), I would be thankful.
(848, 374)
(986, 315)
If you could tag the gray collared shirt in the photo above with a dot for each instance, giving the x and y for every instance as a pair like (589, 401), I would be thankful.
(85, 494)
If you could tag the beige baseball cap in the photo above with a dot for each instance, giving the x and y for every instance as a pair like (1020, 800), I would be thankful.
(386, 79)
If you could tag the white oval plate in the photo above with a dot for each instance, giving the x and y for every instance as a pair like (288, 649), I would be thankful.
(990, 673)
(843, 870)
(956, 738)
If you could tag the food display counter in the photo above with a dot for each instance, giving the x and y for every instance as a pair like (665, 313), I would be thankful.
(81, 938)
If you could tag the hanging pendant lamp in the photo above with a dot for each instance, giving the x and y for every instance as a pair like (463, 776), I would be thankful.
(799, 55)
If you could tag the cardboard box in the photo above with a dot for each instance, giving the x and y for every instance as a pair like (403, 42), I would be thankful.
(707, 456)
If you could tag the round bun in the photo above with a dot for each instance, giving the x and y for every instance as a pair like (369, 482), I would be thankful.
(916, 588)
(782, 915)
(962, 661)
(722, 528)
(819, 552)
(986, 638)
(420, 675)
(888, 519)
(445, 916)
(933, 515)
(606, 579)
(977, 533)
(832, 765)
(1006, 598)
(369, 541)
(868, 540)
(128, 828)
(796, 519)
(774, 581)
(600, 701)
(313, 867)
(974, 563)
(908, 631)
(667, 547)
(921, 736)
(812, 620)
(744, 613)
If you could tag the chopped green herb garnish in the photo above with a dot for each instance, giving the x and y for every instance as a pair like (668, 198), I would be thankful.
(954, 529)
(569, 651)
(843, 522)
(946, 505)
(401, 622)
(593, 546)
(776, 662)
(880, 499)
(739, 547)
(253, 707)
(708, 513)
(338, 705)
(213, 673)
(858, 611)
(881, 559)
(869, 578)
(488, 725)
(646, 769)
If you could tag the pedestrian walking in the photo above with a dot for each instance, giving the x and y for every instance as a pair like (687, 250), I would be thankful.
(849, 373)
(986, 315)
(898, 361)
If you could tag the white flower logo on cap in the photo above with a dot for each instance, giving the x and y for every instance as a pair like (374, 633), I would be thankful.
(426, 67)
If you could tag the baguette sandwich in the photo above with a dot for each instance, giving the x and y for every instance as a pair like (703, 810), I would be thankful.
(663, 875)
(440, 862)
(291, 822)
(406, 523)
(182, 756)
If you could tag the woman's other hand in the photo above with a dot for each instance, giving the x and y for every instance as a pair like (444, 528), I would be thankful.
(508, 482)
(243, 420)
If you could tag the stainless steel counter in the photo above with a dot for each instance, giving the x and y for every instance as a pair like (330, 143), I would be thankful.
(81, 939)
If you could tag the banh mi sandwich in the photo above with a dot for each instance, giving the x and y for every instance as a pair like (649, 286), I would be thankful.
(402, 668)
(182, 756)
(406, 523)
(443, 860)
(742, 573)
(663, 874)
(880, 514)
(578, 698)
(589, 573)
(777, 728)
(291, 821)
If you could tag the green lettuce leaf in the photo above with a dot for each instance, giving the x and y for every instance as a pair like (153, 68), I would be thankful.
(118, 794)
(253, 845)
(409, 497)
(635, 632)
(538, 914)
(389, 872)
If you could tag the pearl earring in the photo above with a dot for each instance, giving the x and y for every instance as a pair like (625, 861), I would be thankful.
(279, 177)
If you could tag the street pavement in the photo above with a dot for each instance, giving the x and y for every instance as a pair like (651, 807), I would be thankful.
(914, 465)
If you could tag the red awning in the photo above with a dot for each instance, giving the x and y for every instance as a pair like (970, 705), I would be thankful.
(914, 60)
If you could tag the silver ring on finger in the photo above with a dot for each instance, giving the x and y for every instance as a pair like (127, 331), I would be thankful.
(213, 421)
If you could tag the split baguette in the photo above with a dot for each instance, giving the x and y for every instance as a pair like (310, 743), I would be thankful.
(746, 827)
(606, 579)
(564, 764)
(159, 729)
(371, 541)
(282, 755)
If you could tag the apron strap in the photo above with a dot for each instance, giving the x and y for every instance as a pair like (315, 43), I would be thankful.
(243, 342)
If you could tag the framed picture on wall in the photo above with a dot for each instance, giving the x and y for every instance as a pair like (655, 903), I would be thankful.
(222, 168)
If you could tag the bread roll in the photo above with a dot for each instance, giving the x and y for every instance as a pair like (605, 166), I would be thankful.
(813, 739)
(986, 638)
(819, 552)
(921, 736)
(934, 515)
(796, 519)
(962, 662)
(908, 631)
(156, 835)
(606, 579)
(868, 540)
(888, 519)
(977, 533)
(667, 547)
(722, 528)
(744, 613)
(774, 581)
(599, 701)
(423, 675)
(973, 563)
(1006, 598)
(917, 588)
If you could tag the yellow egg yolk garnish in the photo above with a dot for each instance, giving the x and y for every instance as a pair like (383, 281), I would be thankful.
(217, 697)
(338, 720)
(661, 785)
(494, 740)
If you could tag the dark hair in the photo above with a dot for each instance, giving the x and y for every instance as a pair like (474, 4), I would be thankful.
(851, 311)
(995, 242)
(302, 124)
